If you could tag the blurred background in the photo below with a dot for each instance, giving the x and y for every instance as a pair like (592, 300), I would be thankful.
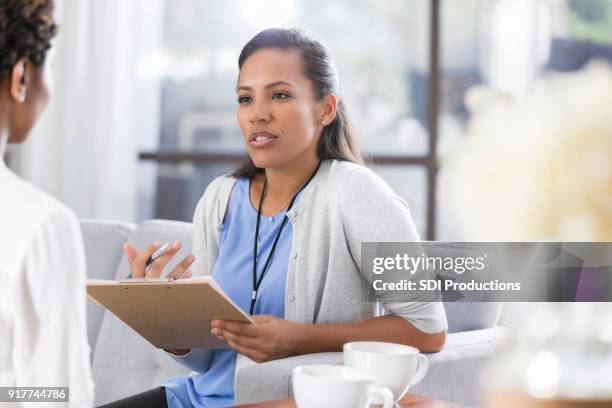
(143, 115)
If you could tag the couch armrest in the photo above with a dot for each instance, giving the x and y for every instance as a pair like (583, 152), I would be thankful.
(272, 380)
(453, 372)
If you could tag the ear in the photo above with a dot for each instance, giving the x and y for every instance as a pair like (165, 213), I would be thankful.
(328, 109)
(18, 84)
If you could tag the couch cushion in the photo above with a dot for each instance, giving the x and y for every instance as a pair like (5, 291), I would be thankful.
(467, 310)
(103, 241)
(472, 315)
(124, 363)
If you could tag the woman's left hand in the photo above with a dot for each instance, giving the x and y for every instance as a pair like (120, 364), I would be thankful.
(270, 338)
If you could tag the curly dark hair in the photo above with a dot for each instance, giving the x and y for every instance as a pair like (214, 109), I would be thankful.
(26, 30)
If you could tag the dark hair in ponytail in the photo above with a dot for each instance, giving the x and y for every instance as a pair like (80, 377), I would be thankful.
(337, 138)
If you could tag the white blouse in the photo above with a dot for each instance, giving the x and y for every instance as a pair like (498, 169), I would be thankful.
(43, 334)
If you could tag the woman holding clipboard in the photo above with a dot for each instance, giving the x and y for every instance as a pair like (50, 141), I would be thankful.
(282, 234)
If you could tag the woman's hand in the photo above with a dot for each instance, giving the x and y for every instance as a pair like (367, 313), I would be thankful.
(137, 261)
(270, 338)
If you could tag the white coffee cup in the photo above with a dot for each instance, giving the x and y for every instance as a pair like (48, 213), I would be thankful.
(395, 366)
(336, 386)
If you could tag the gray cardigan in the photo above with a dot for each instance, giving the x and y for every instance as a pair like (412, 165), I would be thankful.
(345, 204)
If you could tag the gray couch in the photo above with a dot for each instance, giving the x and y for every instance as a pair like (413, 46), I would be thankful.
(123, 363)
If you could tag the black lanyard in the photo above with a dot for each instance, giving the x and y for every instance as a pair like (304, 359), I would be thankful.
(256, 282)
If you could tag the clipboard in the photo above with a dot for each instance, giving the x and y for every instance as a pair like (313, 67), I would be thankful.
(169, 314)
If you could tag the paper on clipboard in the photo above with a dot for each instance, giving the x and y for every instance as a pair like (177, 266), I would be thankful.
(169, 314)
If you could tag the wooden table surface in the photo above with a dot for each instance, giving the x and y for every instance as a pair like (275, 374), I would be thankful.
(409, 401)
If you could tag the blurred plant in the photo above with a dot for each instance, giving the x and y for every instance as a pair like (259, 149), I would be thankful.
(540, 168)
(590, 20)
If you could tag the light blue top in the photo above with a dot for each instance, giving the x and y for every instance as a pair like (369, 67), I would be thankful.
(233, 271)
(344, 205)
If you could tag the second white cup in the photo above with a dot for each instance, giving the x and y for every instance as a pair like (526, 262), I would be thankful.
(336, 386)
(395, 366)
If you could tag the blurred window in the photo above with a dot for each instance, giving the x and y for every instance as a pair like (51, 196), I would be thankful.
(382, 51)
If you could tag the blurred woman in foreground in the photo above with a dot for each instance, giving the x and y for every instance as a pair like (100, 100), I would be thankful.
(43, 337)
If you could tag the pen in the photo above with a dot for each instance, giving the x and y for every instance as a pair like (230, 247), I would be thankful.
(156, 255)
